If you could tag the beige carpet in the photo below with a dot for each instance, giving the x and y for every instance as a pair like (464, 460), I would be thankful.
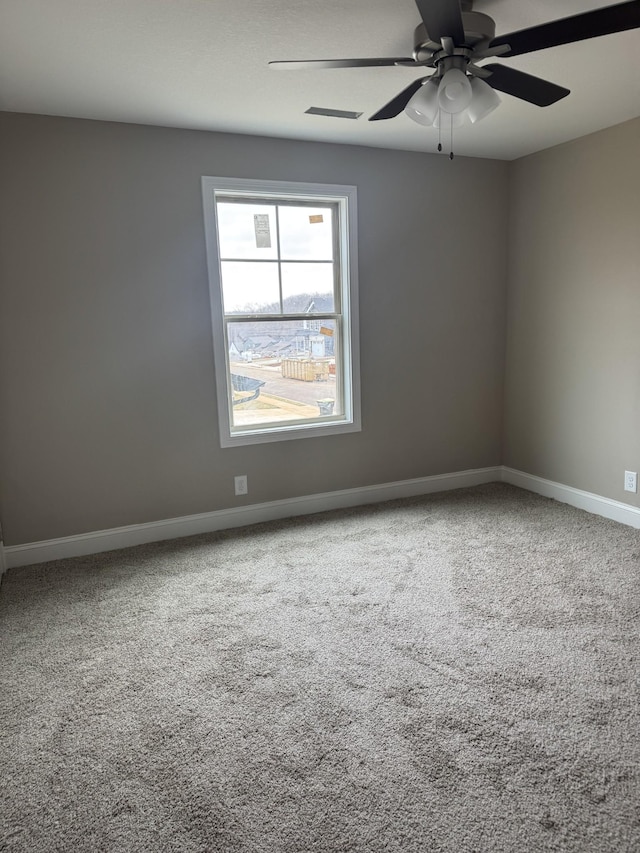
(453, 673)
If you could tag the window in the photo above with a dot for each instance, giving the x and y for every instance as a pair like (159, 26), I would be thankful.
(283, 282)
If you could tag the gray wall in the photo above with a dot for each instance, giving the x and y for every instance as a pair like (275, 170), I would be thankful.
(106, 366)
(573, 355)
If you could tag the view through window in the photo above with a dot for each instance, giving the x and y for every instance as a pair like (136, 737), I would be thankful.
(282, 298)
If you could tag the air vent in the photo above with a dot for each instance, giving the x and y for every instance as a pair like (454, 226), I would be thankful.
(322, 111)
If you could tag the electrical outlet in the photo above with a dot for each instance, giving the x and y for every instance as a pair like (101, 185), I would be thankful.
(241, 485)
(630, 481)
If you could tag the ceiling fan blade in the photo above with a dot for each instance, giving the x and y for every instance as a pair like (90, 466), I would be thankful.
(524, 86)
(397, 104)
(442, 18)
(374, 62)
(599, 22)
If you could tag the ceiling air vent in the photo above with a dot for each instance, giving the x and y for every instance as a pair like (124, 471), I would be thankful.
(322, 111)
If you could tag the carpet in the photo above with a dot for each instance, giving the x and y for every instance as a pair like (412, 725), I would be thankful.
(456, 673)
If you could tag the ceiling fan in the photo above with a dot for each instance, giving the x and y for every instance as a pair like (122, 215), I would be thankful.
(452, 39)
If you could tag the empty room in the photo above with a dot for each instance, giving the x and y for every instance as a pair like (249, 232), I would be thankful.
(319, 426)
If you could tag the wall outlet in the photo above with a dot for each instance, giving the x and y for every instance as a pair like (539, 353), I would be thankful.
(630, 481)
(241, 485)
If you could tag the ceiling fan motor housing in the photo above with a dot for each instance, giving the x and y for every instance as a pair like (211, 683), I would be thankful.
(477, 28)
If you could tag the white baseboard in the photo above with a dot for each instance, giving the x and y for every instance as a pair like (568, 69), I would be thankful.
(174, 528)
(596, 504)
(13, 556)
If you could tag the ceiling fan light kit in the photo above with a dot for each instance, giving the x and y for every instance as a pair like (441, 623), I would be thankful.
(447, 121)
(454, 91)
(423, 106)
(484, 100)
(452, 39)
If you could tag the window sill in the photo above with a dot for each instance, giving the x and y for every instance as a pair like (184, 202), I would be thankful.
(282, 433)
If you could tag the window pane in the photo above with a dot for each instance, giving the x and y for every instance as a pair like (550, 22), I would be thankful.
(307, 288)
(283, 371)
(306, 233)
(250, 288)
(247, 230)
(285, 335)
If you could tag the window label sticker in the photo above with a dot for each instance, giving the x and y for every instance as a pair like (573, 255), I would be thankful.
(263, 231)
(315, 218)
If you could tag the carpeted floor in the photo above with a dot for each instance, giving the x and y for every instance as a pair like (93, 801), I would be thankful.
(452, 673)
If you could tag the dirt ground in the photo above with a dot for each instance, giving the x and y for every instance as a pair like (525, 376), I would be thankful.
(289, 389)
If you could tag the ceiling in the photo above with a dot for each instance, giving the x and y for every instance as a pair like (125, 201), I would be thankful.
(203, 64)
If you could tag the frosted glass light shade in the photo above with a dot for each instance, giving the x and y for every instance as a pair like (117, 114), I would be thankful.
(448, 120)
(454, 92)
(423, 106)
(484, 100)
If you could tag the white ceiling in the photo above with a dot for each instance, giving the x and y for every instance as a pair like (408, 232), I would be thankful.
(203, 64)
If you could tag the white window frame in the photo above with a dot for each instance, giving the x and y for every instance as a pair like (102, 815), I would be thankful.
(346, 199)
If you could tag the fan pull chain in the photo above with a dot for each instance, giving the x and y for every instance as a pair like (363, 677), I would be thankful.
(439, 120)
